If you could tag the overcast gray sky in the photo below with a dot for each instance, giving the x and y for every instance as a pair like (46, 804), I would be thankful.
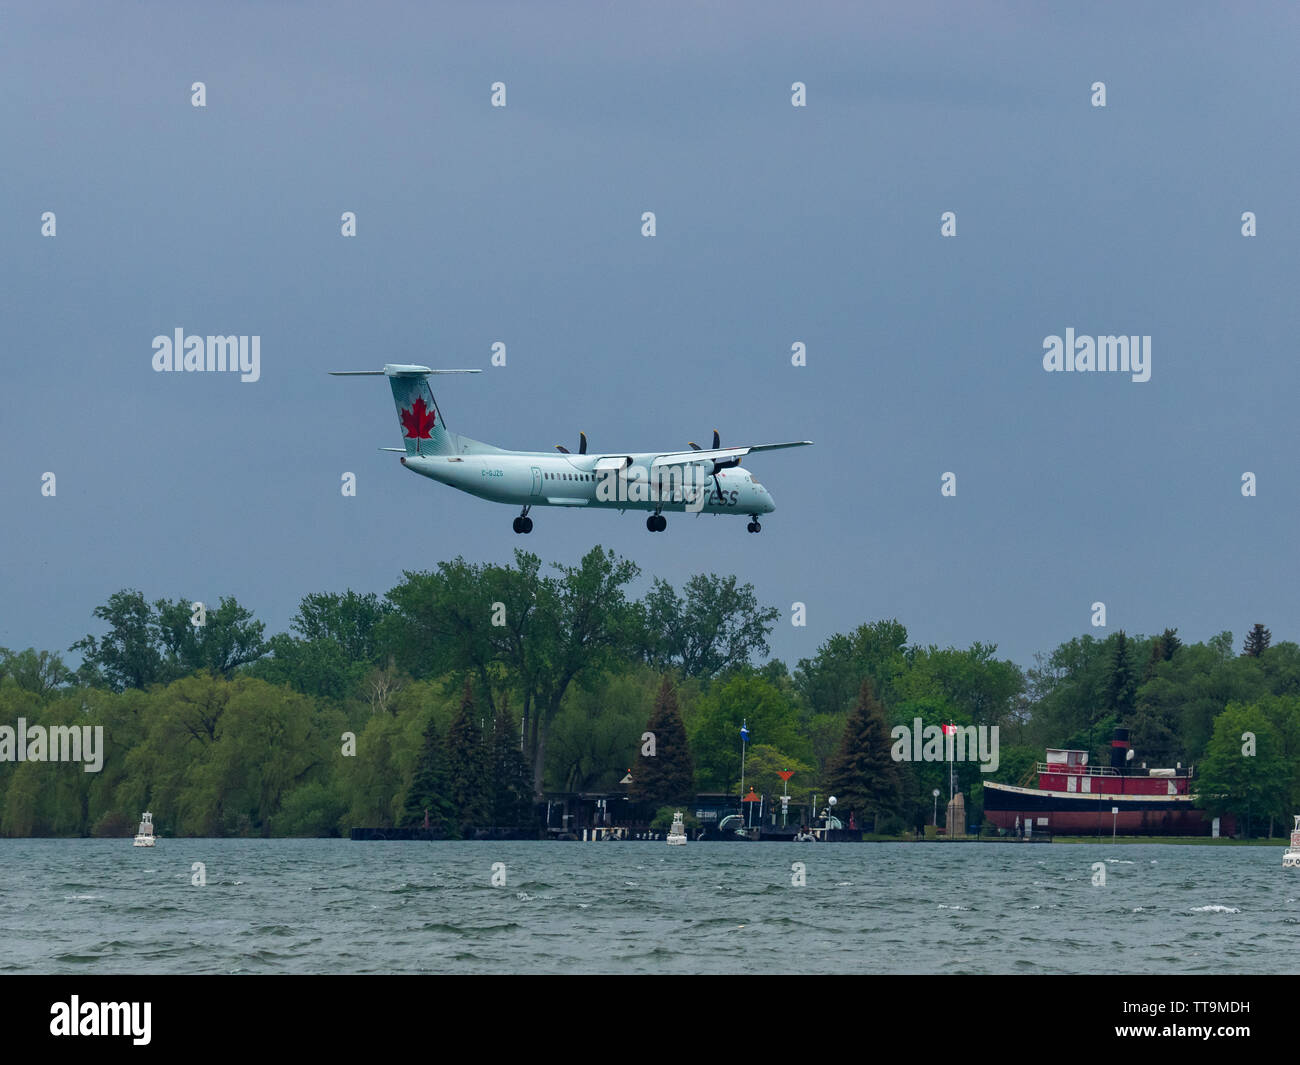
(776, 224)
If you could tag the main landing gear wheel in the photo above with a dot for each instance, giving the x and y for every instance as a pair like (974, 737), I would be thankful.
(523, 525)
(656, 523)
(754, 527)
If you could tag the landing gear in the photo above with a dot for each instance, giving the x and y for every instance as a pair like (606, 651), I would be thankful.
(656, 523)
(754, 526)
(523, 523)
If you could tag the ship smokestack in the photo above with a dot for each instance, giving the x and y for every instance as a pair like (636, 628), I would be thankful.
(1119, 749)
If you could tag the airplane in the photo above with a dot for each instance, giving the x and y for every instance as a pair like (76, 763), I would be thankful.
(708, 480)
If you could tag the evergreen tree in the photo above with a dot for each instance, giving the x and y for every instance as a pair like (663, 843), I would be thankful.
(428, 790)
(669, 775)
(1170, 643)
(512, 785)
(1121, 688)
(862, 775)
(469, 783)
(1154, 659)
(1257, 641)
(1162, 650)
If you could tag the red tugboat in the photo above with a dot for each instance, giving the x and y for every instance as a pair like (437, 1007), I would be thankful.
(1074, 798)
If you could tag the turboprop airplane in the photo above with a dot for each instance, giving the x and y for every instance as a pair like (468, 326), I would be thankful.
(707, 480)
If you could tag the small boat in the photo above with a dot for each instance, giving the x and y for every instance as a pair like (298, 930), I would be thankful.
(1291, 856)
(677, 833)
(144, 836)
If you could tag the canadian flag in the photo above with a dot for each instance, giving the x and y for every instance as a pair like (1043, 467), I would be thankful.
(949, 730)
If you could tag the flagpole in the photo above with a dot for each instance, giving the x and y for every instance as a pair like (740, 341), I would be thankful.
(744, 735)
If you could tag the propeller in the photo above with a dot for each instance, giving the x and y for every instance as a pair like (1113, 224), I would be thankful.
(582, 446)
(717, 445)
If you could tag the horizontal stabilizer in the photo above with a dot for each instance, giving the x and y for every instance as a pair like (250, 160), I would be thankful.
(395, 370)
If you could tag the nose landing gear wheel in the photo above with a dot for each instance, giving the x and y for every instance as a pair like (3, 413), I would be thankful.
(754, 527)
(656, 523)
(523, 525)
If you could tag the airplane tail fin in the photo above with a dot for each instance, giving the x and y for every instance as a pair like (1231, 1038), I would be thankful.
(423, 431)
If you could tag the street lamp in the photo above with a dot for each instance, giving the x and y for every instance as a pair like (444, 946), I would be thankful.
(936, 807)
(829, 812)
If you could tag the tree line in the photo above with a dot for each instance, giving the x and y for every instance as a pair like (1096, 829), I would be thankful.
(468, 692)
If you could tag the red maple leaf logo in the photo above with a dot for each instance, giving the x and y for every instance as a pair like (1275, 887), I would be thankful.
(418, 421)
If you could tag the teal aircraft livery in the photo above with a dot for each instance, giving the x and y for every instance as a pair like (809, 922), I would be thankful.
(702, 480)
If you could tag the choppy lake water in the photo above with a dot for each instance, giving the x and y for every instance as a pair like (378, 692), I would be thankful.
(319, 906)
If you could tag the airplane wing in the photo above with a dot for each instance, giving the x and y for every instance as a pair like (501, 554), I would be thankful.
(722, 454)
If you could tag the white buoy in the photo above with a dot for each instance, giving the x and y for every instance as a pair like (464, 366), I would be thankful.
(144, 836)
(677, 833)
(1291, 857)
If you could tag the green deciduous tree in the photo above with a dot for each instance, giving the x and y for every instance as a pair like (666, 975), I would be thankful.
(593, 740)
(40, 672)
(228, 638)
(714, 626)
(128, 655)
(350, 621)
(764, 763)
(714, 728)
(1242, 767)
(829, 682)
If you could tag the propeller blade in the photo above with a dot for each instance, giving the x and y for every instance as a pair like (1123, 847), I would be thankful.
(582, 446)
(696, 446)
(717, 443)
(562, 449)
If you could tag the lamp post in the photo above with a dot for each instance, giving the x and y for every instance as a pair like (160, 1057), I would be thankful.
(936, 807)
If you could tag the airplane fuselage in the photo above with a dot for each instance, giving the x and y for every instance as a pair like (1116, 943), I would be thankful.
(609, 482)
